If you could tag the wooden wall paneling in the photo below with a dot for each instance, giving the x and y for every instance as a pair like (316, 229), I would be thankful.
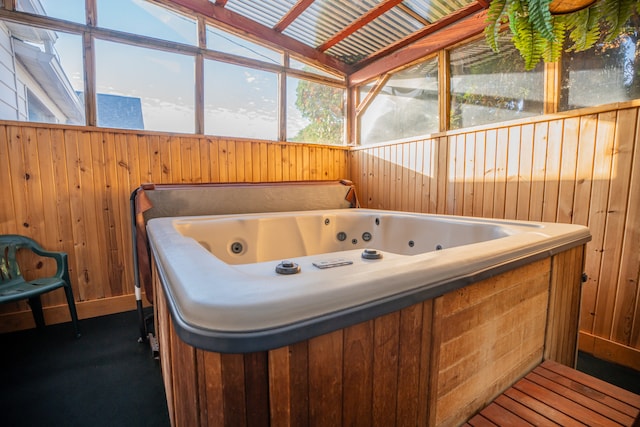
(410, 336)
(358, 376)
(273, 167)
(98, 207)
(369, 178)
(385, 369)
(500, 319)
(569, 156)
(185, 379)
(114, 201)
(525, 172)
(419, 176)
(552, 172)
(597, 217)
(210, 388)
(325, 379)
(538, 171)
(441, 173)
(626, 323)
(398, 184)
(489, 175)
(621, 156)
(163, 333)
(450, 175)
(80, 272)
(375, 178)
(457, 181)
(469, 173)
(584, 169)
(7, 213)
(286, 161)
(500, 186)
(564, 306)
(409, 156)
(393, 177)
(512, 175)
(478, 173)
(389, 182)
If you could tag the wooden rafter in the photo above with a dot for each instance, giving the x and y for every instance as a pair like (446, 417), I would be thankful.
(455, 33)
(242, 24)
(454, 18)
(415, 15)
(221, 3)
(293, 13)
(359, 23)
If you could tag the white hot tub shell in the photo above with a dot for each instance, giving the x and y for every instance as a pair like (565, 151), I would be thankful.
(219, 272)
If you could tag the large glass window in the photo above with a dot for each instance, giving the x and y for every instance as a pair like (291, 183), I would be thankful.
(240, 101)
(222, 41)
(139, 88)
(43, 81)
(147, 19)
(609, 72)
(406, 106)
(488, 87)
(315, 112)
(69, 10)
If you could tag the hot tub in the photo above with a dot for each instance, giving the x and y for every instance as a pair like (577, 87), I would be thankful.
(254, 282)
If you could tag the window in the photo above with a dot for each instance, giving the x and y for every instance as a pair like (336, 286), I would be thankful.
(222, 41)
(147, 19)
(69, 10)
(609, 72)
(240, 101)
(406, 106)
(315, 112)
(488, 87)
(155, 85)
(43, 81)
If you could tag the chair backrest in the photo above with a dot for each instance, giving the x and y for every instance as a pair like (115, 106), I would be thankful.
(9, 246)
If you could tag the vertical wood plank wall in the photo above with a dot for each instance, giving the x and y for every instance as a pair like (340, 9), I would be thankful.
(581, 168)
(69, 188)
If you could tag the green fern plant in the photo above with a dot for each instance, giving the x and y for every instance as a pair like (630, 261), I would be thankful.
(540, 35)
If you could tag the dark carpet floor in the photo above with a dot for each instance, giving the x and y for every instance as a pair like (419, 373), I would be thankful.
(106, 378)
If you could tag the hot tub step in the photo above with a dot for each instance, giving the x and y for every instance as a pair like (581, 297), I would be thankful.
(553, 394)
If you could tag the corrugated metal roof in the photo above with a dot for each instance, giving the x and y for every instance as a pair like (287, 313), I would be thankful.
(348, 30)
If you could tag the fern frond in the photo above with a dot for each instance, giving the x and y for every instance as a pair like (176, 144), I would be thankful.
(526, 38)
(584, 28)
(497, 14)
(553, 48)
(540, 17)
(615, 13)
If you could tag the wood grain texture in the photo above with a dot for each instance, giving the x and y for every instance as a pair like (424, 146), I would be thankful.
(69, 188)
(579, 167)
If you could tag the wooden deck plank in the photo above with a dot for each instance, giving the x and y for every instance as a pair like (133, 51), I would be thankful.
(480, 421)
(503, 417)
(553, 394)
(524, 412)
(589, 392)
(542, 408)
(583, 400)
(594, 383)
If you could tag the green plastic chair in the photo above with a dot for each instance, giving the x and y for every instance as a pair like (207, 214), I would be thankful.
(13, 287)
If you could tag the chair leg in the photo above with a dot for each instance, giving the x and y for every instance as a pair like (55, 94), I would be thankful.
(72, 309)
(36, 310)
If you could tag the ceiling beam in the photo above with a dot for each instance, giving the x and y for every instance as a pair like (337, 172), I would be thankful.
(239, 23)
(221, 3)
(293, 13)
(364, 19)
(449, 20)
(446, 37)
(415, 15)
